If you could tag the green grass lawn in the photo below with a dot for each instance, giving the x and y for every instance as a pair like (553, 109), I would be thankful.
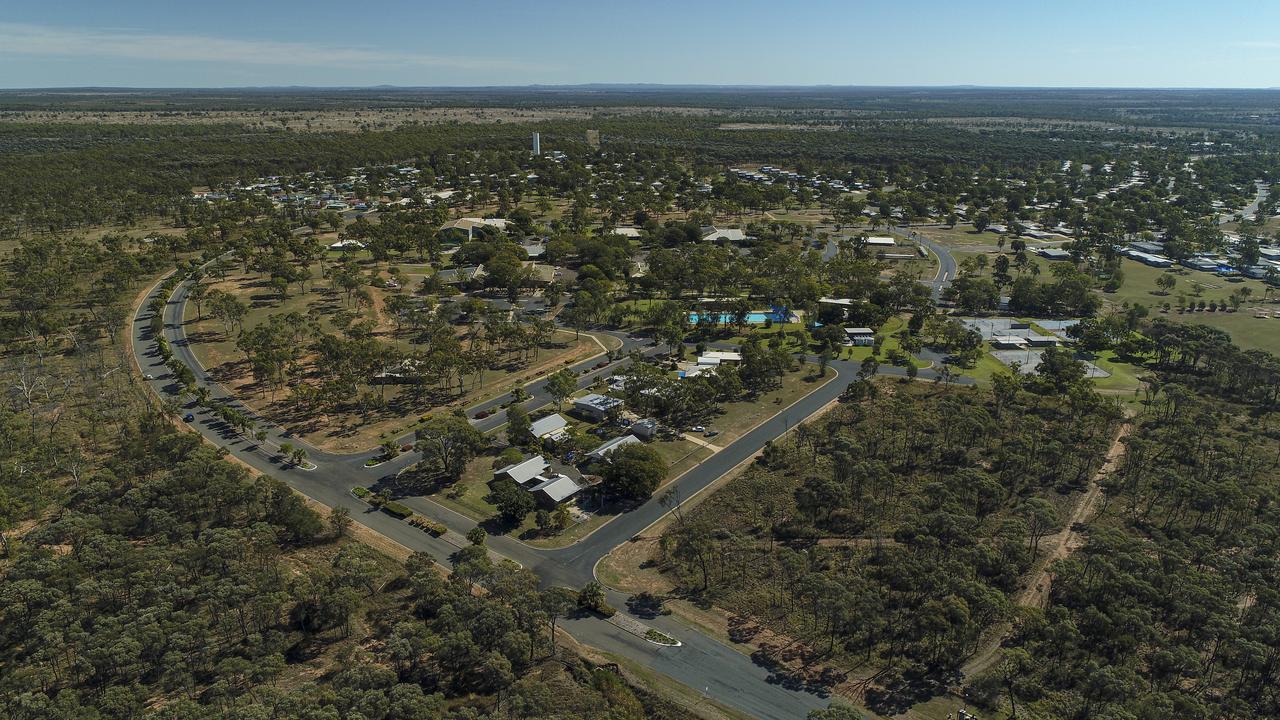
(739, 418)
(1139, 287)
(764, 334)
(889, 342)
(982, 370)
(1124, 375)
(961, 235)
(1246, 330)
(467, 496)
(1270, 226)
(681, 456)
(1123, 378)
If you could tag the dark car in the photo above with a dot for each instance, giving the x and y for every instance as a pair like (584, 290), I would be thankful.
(189, 417)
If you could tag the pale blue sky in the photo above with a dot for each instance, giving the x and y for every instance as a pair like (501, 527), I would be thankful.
(176, 43)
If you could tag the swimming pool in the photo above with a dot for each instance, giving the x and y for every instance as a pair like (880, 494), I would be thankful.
(753, 318)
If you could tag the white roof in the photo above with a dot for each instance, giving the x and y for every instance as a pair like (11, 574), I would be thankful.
(557, 488)
(612, 445)
(548, 425)
(348, 243)
(626, 232)
(859, 331)
(730, 234)
(525, 470)
(881, 240)
(469, 223)
(721, 355)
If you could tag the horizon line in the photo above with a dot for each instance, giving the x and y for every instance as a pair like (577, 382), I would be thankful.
(625, 85)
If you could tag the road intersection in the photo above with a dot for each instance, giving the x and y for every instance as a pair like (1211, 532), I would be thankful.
(725, 674)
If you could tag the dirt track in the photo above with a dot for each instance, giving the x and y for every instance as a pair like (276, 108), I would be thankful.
(1060, 545)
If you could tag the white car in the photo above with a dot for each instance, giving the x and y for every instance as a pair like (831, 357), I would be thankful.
(697, 428)
(148, 376)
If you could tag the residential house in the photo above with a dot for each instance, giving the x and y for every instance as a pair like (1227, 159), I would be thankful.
(553, 490)
(595, 406)
(644, 429)
(534, 247)
(524, 471)
(460, 275)
(602, 452)
(542, 274)
(713, 234)
(550, 429)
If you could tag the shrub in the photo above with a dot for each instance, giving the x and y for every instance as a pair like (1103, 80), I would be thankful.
(428, 526)
(361, 492)
(659, 637)
(606, 610)
(397, 509)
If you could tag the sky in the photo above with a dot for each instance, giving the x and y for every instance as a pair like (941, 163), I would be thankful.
(1041, 43)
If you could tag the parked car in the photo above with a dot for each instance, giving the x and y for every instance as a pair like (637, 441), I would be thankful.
(189, 417)
(697, 428)
(711, 433)
(148, 376)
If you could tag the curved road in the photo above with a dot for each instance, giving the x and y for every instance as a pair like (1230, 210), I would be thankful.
(702, 663)
(946, 263)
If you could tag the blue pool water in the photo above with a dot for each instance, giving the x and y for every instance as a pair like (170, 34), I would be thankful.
(754, 318)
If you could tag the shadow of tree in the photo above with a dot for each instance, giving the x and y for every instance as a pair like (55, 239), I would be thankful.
(647, 605)
(896, 691)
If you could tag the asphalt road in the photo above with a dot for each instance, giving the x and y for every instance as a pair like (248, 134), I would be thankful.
(946, 263)
(703, 663)
(1261, 190)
